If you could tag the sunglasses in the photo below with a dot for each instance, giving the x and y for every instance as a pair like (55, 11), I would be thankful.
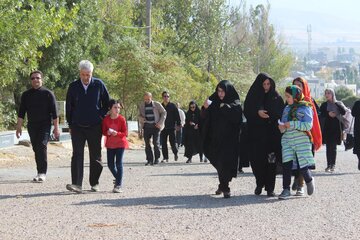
(37, 78)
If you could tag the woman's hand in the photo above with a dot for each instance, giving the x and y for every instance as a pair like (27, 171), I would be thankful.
(263, 114)
(206, 104)
(332, 114)
(282, 128)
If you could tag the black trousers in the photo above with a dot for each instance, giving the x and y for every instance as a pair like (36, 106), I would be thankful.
(287, 169)
(265, 172)
(39, 136)
(164, 136)
(153, 133)
(92, 135)
(331, 154)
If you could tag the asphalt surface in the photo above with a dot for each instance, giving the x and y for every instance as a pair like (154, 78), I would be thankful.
(172, 200)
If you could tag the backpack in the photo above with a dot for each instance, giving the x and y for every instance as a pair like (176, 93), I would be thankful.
(346, 120)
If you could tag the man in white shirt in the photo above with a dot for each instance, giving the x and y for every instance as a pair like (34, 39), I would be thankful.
(179, 131)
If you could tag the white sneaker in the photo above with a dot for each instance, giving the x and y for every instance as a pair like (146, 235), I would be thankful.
(36, 178)
(95, 188)
(117, 189)
(299, 191)
(42, 177)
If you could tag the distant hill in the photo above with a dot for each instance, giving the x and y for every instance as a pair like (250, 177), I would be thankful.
(327, 30)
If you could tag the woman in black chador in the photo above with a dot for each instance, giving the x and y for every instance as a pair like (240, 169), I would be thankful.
(223, 117)
(263, 108)
(192, 140)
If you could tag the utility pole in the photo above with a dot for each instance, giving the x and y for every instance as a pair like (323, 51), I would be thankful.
(148, 22)
(309, 41)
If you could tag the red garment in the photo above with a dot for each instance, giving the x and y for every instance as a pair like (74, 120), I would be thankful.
(315, 130)
(119, 125)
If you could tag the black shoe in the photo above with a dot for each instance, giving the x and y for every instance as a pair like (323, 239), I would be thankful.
(258, 190)
(156, 161)
(201, 160)
(176, 157)
(227, 194)
(149, 163)
(218, 191)
(241, 171)
(188, 161)
(271, 194)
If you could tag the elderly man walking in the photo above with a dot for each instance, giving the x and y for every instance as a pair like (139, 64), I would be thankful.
(87, 103)
(152, 116)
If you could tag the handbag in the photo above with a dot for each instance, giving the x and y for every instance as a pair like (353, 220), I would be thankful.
(349, 140)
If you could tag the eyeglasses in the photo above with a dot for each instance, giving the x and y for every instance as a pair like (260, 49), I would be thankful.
(166, 96)
(37, 78)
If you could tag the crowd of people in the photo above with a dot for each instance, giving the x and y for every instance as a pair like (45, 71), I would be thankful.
(265, 133)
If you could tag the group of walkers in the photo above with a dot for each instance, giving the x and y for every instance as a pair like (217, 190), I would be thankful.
(275, 133)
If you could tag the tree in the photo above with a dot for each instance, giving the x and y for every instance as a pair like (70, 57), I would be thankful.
(269, 54)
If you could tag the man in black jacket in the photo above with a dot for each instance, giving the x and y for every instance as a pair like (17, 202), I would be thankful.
(172, 121)
(40, 105)
(87, 103)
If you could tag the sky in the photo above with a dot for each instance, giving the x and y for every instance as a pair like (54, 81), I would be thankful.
(333, 23)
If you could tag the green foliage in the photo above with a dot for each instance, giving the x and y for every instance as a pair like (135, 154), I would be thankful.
(343, 92)
(8, 116)
(25, 26)
(195, 43)
(350, 100)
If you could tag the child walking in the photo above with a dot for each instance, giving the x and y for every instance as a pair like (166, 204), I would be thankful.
(296, 123)
(115, 132)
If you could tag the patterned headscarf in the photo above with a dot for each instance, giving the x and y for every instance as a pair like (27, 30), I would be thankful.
(299, 101)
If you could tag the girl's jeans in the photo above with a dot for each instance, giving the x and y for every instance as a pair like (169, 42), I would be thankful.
(116, 167)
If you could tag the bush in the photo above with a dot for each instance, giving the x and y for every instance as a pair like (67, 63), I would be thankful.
(350, 100)
(8, 116)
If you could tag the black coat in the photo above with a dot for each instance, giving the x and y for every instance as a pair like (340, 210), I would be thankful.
(222, 122)
(355, 111)
(192, 132)
(263, 134)
(331, 128)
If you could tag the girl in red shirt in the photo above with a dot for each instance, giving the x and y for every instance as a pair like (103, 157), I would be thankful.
(115, 132)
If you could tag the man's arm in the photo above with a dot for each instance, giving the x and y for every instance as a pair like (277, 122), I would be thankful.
(21, 116)
(105, 98)
(19, 126)
(54, 114)
(69, 106)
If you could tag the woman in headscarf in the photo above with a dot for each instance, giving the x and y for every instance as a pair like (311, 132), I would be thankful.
(192, 140)
(296, 123)
(315, 132)
(355, 112)
(263, 108)
(331, 128)
(222, 120)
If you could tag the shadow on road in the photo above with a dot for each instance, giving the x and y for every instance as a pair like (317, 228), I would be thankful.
(49, 194)
(185, 202)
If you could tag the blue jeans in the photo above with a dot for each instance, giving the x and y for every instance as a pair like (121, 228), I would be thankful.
(117, 171)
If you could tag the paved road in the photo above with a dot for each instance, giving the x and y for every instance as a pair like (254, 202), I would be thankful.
(171, 201)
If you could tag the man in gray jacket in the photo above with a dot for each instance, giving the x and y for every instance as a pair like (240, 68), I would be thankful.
(152, 116)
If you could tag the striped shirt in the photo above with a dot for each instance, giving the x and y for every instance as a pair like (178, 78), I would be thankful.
(149, 115)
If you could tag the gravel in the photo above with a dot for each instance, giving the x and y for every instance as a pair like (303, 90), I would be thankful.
(172, 200)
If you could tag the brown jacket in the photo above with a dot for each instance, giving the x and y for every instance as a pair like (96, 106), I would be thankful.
(159, 113)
